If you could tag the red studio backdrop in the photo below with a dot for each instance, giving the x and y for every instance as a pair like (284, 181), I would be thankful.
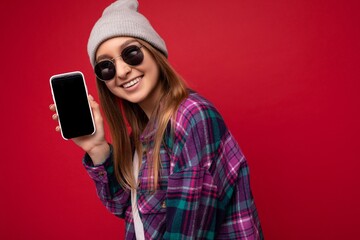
(284, 74)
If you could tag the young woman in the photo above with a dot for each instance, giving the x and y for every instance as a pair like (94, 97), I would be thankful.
(173, 169)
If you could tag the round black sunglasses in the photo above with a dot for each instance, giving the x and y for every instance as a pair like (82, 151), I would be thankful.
(105, 70)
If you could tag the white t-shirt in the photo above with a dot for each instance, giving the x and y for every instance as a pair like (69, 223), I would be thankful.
(138, 225)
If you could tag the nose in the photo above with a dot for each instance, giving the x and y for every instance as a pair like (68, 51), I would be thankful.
(122, 69)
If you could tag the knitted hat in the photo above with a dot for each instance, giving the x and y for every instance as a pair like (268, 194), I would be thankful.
(121, 18)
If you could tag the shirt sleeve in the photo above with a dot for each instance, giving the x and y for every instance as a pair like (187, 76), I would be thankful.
(207, 163)
(111, 194)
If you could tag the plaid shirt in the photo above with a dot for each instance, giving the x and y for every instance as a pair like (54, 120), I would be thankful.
(204, 190)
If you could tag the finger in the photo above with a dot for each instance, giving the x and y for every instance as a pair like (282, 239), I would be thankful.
(93, 103)
(95, 108)
(57, 129)
(55, 116)
(52, 107)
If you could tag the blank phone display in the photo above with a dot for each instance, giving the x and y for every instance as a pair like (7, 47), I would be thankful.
(72, 105)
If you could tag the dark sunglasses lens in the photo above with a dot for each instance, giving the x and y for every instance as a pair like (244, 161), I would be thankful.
(105, 70)
(132, 55)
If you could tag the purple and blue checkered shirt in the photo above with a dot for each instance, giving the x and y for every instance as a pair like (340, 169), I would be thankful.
(204, 190)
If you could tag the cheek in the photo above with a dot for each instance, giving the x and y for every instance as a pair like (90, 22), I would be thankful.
(111, 86)
(150, 66)
(154, 73)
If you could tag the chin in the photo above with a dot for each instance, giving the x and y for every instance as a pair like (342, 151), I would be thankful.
(136, 100)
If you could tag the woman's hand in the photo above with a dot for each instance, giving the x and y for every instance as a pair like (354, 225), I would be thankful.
(95, 145)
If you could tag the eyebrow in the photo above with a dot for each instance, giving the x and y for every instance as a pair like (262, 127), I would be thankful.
(122, 46)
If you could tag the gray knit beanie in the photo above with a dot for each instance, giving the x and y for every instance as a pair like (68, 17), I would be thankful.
(121, 18)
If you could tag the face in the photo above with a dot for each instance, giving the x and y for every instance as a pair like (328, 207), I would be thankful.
(137, 84)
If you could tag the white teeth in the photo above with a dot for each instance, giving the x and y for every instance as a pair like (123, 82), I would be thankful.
(132, 83)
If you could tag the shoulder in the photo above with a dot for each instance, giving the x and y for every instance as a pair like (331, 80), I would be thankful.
(195, 108)
(197, 115)
(200, 135)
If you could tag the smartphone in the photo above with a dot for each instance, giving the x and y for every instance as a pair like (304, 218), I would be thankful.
(70, 96)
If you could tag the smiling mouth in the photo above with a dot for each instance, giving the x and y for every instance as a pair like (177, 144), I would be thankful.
(132, 82)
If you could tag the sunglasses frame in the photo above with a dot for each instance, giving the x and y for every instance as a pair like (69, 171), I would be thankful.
(120, 56)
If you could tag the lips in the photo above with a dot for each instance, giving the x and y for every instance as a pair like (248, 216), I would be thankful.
(132, 82)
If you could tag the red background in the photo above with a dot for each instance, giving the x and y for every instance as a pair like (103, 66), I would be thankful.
(284, 74)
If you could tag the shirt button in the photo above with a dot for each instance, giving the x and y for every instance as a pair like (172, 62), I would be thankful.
(163, 204)
(102, 173)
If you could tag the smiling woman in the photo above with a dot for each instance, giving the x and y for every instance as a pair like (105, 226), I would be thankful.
(135, 73)
(283, 74)
(179, 173)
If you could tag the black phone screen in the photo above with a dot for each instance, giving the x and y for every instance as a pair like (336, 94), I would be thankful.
(70, 96)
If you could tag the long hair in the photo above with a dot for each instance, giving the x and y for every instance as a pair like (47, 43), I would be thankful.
(174, 92)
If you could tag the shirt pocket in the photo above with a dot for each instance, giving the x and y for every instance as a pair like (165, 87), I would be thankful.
(152, 209)
(152, 202)
(193, 184)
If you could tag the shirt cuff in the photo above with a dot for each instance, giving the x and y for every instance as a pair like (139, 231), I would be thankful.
(99, 172)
